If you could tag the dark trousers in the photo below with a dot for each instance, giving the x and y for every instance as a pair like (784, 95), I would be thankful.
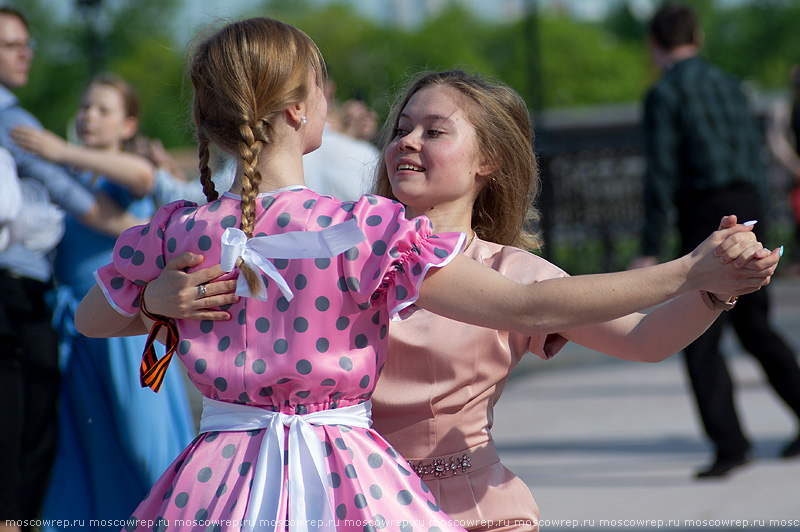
(29, 387)
(711, 381)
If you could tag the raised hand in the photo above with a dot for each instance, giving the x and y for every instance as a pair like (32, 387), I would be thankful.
(41, 142)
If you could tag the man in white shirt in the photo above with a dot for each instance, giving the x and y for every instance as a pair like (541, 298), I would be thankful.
(343, 166)
(10, 196)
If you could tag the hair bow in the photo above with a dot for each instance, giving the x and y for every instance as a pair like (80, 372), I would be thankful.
(256, 251)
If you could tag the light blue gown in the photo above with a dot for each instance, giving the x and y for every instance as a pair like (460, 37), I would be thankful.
(116, 438)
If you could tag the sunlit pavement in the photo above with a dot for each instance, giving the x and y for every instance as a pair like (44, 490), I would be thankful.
(605, 444)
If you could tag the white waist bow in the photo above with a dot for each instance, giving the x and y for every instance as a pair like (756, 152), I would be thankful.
(308, 479)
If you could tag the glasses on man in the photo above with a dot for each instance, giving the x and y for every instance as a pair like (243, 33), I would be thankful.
(18, 46)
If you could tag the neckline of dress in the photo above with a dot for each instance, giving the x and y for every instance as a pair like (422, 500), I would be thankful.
(268, 193)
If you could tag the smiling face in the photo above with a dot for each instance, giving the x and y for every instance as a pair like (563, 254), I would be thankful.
(433, 161)
(102, 120)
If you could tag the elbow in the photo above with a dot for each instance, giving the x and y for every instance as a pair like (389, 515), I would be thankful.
(83, 324)
(651, 356)
(146, 182)
(85, 321)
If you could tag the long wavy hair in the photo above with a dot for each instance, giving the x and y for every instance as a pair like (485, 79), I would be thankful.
(504, 210)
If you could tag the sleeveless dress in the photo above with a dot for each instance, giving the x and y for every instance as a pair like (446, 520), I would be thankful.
(322, 350)
(115, 439)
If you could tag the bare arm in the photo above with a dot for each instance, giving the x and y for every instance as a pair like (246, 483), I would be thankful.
(539, 308)
(96, 318)
(129, 170)
(650, 337)
(106, 217)
(563, 304)
(664, 331)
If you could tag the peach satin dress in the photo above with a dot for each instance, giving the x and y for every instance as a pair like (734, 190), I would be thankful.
(435, 400)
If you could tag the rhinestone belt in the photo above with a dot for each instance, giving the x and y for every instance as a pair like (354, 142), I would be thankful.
(442, 467)
(463, 462)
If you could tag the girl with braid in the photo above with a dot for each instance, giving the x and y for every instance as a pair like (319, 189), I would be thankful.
(285, 439)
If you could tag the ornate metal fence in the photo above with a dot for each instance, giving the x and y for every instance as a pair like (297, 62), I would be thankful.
(591, 201)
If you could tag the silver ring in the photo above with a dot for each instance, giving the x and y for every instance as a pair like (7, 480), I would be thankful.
(201, 291)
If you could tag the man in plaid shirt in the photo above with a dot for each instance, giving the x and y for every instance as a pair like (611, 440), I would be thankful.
(703, 150)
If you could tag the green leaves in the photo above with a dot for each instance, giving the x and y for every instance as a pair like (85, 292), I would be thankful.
(553, 61)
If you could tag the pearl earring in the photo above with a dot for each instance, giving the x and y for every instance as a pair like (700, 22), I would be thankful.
(303, 120)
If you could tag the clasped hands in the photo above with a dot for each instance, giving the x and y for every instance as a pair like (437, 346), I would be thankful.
(746, 265)
(728, 263)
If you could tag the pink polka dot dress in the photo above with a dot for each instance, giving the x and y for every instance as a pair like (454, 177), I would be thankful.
(323, 349)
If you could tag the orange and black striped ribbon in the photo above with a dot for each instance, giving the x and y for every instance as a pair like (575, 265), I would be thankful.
(153, 369)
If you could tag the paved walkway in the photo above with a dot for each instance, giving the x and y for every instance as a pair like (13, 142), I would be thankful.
(612, 445)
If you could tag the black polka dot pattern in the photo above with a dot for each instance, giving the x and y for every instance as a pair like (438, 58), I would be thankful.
(319, 350)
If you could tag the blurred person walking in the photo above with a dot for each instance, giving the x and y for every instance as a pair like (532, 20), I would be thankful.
(703, 151)
(343, 166)
(783, 136)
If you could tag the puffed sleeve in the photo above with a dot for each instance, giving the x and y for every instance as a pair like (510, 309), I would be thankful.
(389, 266)
(138, 258)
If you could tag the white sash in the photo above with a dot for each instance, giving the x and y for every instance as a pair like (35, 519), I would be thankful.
(309, 504)
(292, 245)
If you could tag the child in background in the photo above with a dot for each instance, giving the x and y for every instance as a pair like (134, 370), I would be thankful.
(114, 440)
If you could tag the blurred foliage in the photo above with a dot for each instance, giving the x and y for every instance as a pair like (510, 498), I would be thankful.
(758, 41)
(130, 38)
(581, 64)
(552, 60)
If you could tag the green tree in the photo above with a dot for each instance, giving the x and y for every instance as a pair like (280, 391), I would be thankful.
(756, 41)
(622, 23)
(581, 64)
(567, 62)
(587, 65)
(134, 42)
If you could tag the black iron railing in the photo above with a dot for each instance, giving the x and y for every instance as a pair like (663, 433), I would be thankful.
(591, 201)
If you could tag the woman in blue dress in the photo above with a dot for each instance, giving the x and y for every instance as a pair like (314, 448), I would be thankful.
(115, 438)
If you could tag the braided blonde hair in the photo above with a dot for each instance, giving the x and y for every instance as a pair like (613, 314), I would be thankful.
(244, 76)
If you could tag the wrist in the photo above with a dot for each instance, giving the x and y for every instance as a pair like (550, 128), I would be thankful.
(72, 154)
(146, 311)
(714, 301)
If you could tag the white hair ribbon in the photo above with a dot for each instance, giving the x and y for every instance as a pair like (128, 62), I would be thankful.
(255, 251)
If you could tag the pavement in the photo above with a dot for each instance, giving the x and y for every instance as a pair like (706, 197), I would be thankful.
(608, 445)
